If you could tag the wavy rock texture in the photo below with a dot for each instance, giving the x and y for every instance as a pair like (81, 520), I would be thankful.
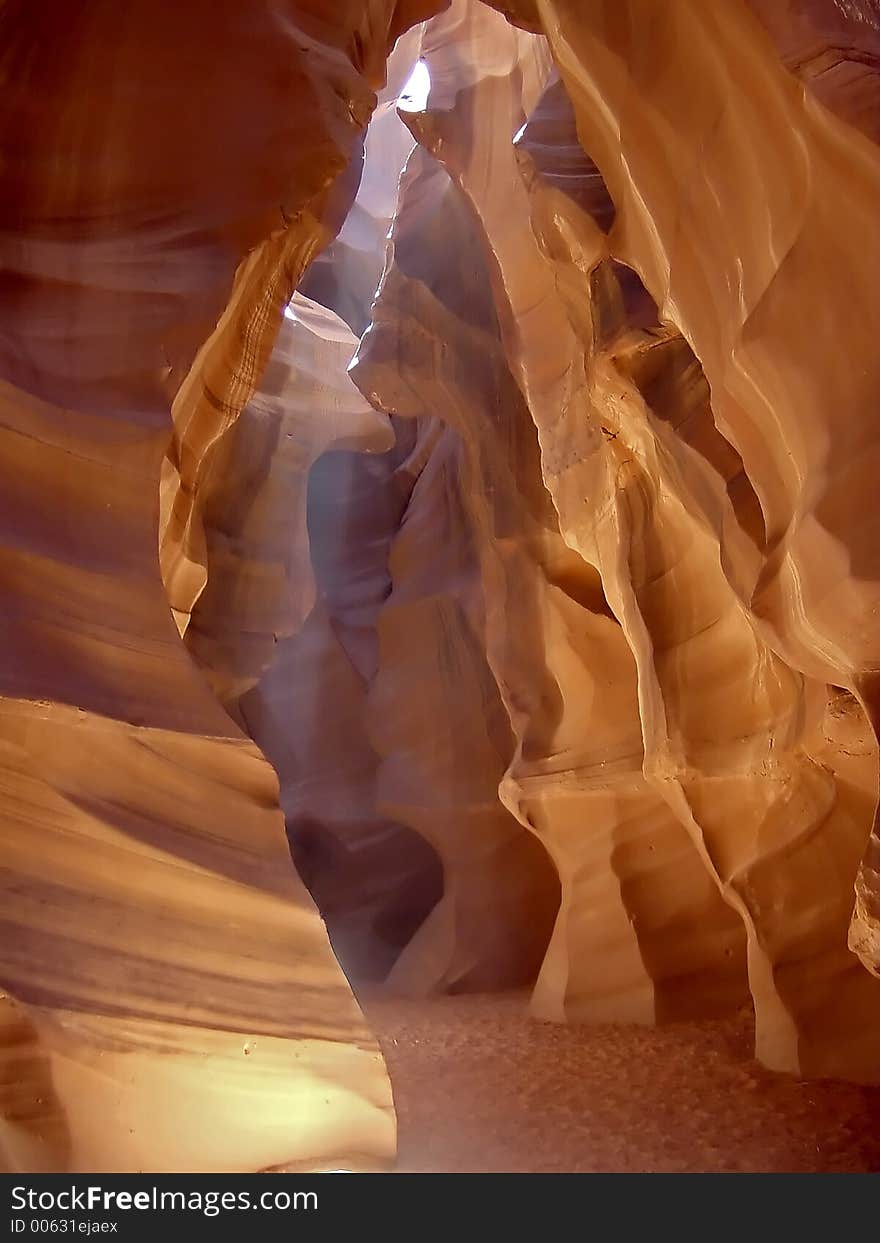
(443, 757)
(260, 586)
(368, 779)
(170, 991)
(374, 880)
(346, 275)
(560, 635)
(290, 650)
(774, 800)
(566, 678)
(367, 784)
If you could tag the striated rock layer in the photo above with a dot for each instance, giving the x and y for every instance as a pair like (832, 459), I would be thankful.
(772, 773)
(563, 671)
(525, 566)
(171, 1000)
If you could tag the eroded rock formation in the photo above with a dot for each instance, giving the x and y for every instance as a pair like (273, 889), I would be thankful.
(659, 501)
(562, 667)
(536, 583)
(168, 983)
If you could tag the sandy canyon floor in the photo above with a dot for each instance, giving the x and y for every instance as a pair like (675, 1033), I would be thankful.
(482, 1087)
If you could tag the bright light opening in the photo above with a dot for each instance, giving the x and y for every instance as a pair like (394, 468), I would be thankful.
(414, 96)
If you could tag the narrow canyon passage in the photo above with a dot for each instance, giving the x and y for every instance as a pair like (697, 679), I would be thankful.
(440, 575)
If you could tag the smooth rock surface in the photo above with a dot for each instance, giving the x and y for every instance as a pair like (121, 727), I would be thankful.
(478, 501)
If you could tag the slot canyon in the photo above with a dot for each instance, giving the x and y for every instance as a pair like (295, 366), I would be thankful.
(439, 585)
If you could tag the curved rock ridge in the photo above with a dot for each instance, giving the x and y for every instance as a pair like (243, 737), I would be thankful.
(345, 276)
(572, 771)
(288, 649)
(486, 491)
(348, 776)
(259, 584)
(170, 997)
(443, 757)
(833, 46)
(775, 798)
(367, 786)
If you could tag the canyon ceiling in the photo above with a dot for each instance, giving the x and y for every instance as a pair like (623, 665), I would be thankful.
(512, 463)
